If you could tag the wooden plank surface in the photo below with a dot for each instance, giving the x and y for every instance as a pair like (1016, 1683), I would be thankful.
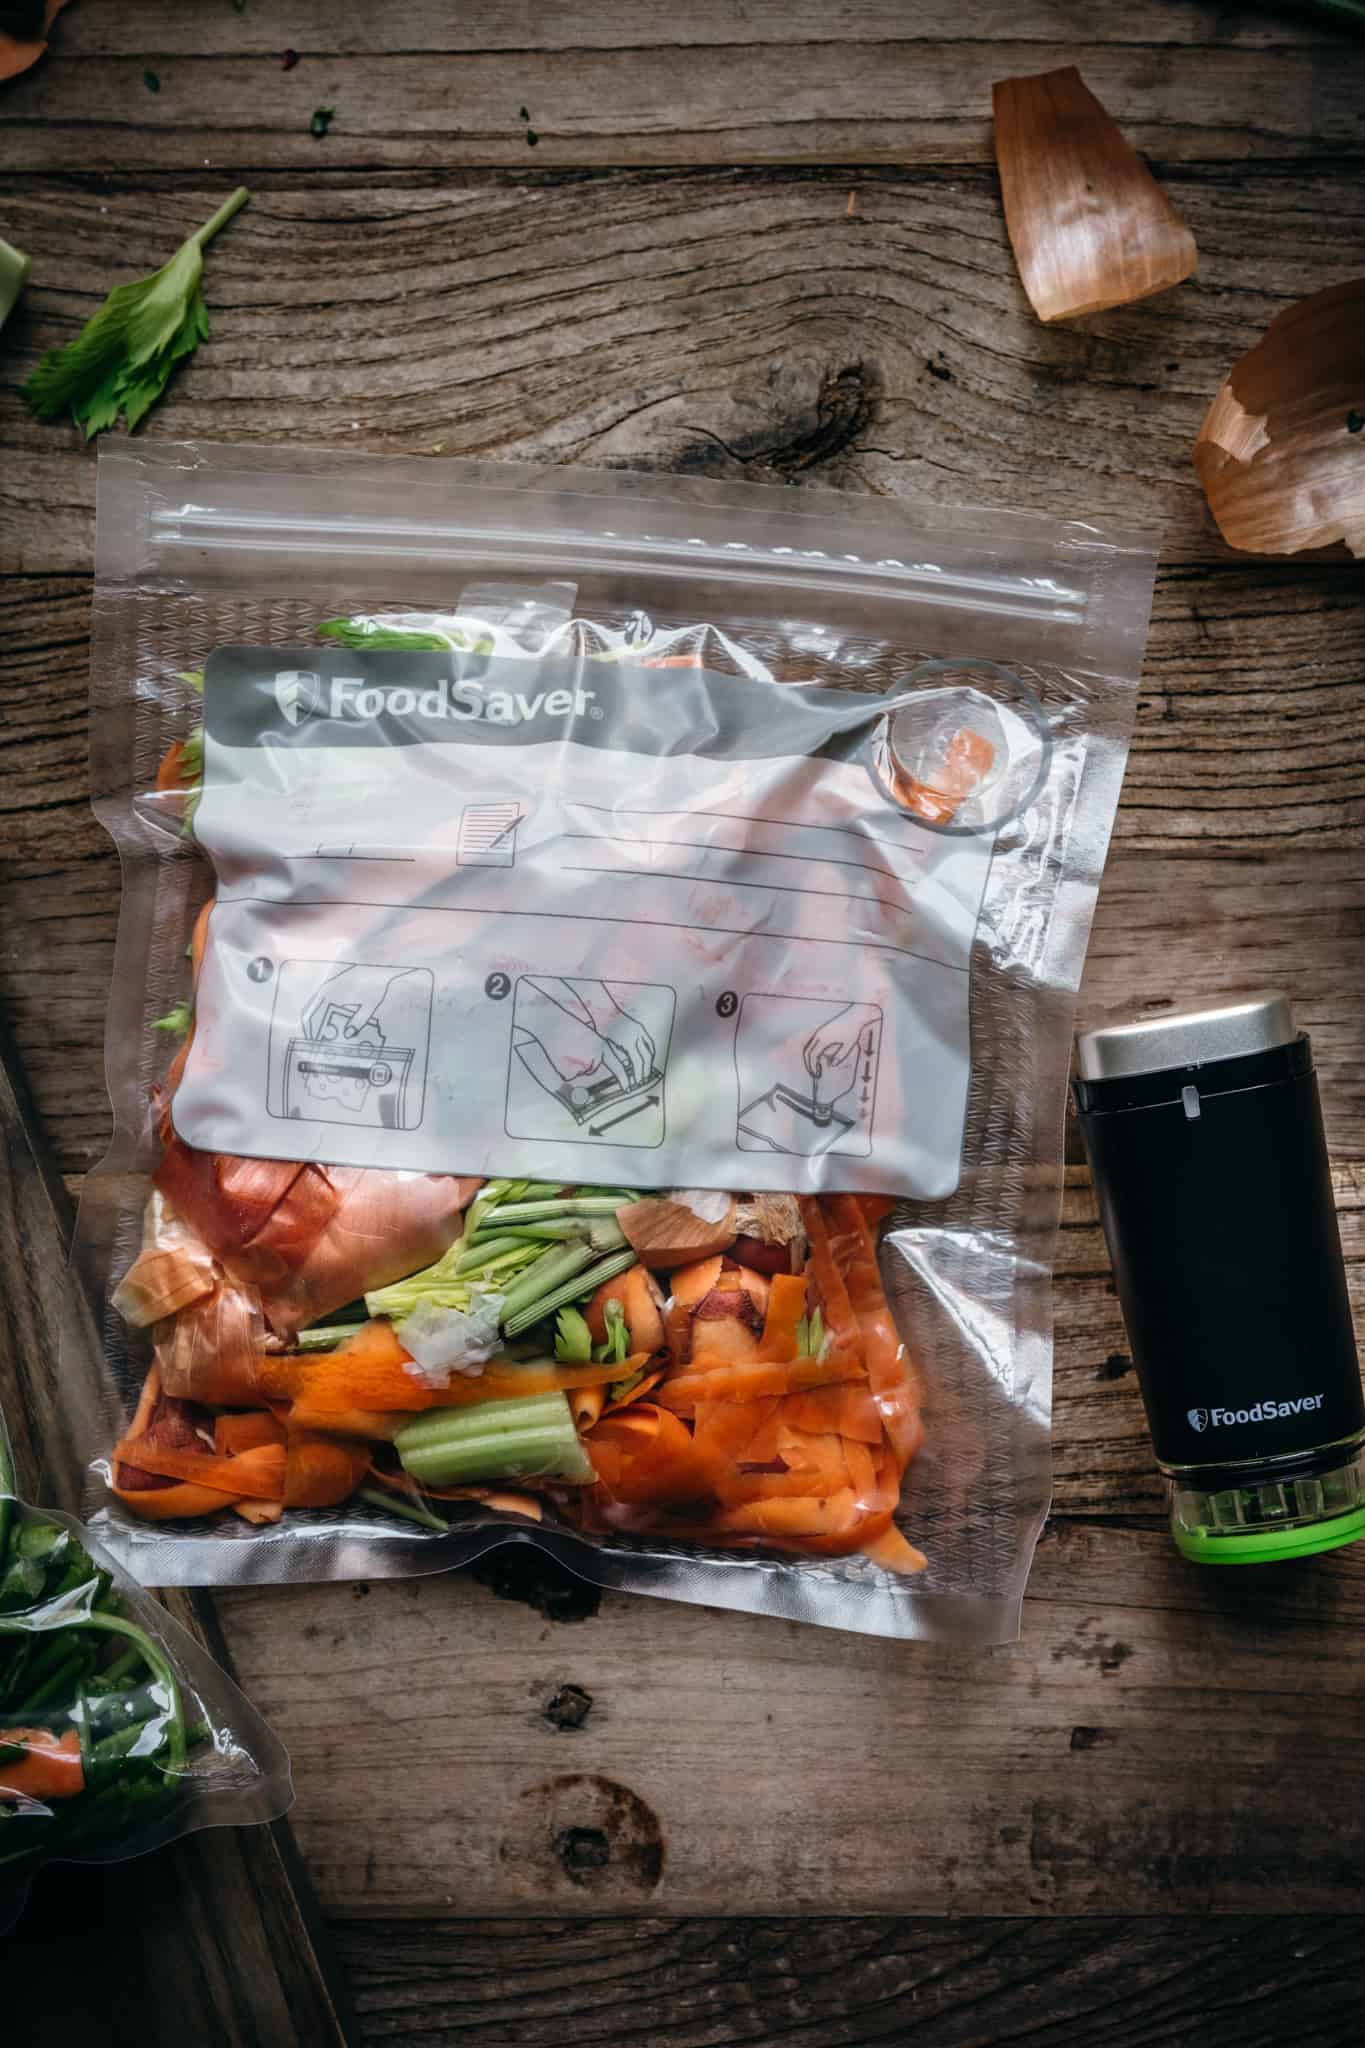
(875, 1983)
(425, 279)
(687, 321)
(1147, 1744)
(769, 83)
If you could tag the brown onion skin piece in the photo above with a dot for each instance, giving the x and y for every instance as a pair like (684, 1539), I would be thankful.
(760, 1256)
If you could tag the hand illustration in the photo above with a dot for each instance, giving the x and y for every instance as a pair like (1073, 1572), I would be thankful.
(346, 1009)
(832, 1053)
(577, 1033)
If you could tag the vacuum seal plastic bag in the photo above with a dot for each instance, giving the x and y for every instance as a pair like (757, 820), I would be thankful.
(569, 920)
(117, 1732)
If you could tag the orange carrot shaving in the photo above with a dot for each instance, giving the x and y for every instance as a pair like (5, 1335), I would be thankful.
(645, 1455)
(786, 1307)
(50, 1767)
(235, 1433)
(727, 1431)
(321, 1471)
(719, 1380)
(891, 1550)
(692, 1283)
(849, 1408)
(252, 1475)
(258, 1512)
(888, 1367)
(371, 1371)
(832, 1519)
(635, 1393)
(182, 1502)
(171, 772)
(585, 1406)
(841, 1325)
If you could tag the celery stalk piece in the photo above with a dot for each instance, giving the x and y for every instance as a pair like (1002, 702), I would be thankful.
(14, 268)
(528, 1438)
(515, 1320)
(553, 1269)
(508, 1213)
(326, 1336)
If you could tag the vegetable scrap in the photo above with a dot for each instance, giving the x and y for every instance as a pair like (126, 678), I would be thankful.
(122, 359)
(698, 1365)
(1275, 453)
(1088, 223)
(114, 1725)
(94, 1733)
(24, 42)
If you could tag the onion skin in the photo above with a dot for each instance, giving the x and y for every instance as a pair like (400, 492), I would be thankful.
(1089, 225)
(760, 1256)
(1281, 452)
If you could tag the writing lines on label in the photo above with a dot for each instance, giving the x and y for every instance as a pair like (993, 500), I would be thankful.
(280, 906)
(353, 852)
(831, 860)
(911, 840)
(734, 880)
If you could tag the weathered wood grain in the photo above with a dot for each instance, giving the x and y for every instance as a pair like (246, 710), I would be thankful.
(686, 321)
(424, 279)
(1142, 1750)
(873, 1983)
(216, 1938)
(146, 28)
(715, 85)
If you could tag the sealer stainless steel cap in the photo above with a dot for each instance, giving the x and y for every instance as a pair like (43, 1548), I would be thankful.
(1186, 1038)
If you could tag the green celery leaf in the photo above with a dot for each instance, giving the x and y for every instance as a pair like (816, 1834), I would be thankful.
(123, 357)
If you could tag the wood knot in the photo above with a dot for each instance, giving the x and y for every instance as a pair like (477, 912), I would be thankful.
(586, 1833)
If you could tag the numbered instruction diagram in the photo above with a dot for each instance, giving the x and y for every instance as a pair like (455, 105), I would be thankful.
(349, 1044)
(807, 1075)
(589, 1059)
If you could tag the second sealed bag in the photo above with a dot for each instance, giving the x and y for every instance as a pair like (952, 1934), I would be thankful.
(590, 1025)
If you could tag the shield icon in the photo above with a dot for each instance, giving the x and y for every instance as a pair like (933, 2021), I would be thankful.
(297, 692)
(1198, 1418)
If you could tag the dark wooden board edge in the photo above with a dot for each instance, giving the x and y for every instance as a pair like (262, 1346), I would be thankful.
(216, 1939)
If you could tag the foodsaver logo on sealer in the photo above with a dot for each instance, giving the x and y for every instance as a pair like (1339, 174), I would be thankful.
(1201, 1419)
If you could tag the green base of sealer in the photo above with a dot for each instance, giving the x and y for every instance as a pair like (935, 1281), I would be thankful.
(1268, 1546)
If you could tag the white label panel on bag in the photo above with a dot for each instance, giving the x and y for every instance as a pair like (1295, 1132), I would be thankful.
(573, 919)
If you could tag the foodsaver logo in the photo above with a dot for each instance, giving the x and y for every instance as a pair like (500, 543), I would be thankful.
(1201, 1419)
(297, 692)
(353, 698)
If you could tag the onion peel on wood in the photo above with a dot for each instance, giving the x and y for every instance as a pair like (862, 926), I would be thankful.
(1281, 453)
(1089, 225)
(17, 53)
